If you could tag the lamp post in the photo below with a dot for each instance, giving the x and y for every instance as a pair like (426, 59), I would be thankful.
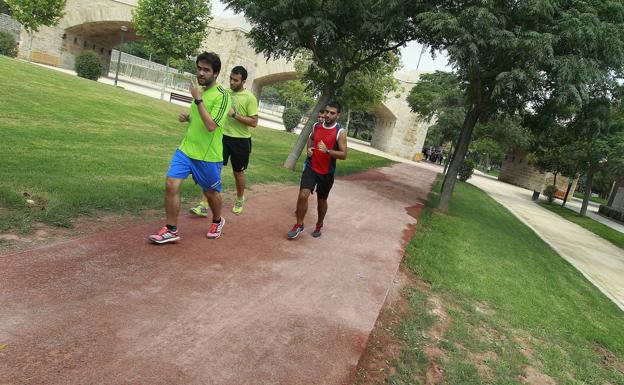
(124, 29)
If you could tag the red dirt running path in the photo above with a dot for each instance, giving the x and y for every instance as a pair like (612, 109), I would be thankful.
(249, 308)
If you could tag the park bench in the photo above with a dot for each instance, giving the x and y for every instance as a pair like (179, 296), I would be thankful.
(560, 194)
(180, 98)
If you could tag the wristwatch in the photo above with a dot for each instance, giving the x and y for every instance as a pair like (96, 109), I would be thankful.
(327, 150)
(199, 101)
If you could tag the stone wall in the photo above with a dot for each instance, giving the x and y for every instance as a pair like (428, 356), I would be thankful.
(399, 131)
(618, 201)
(518, 171)
(11, 26)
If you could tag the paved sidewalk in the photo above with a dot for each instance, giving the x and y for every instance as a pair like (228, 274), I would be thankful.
(601, 262)
(251, 308)
(592, 212)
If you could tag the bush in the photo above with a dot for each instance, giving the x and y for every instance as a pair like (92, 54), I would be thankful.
(366, 135)
(550, 191)
(88, 65)
(8, 47)
(291, 118)
(465, 170)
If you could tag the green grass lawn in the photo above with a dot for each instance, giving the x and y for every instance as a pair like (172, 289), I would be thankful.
(513, 303)
(78, 147)
(604, 231)
(493, 172)
(593, 199)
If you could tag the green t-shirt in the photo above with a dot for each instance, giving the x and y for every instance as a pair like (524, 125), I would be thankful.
(199, 143)
(245, 104)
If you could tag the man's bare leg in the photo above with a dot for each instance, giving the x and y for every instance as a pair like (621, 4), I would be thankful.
(172, 200)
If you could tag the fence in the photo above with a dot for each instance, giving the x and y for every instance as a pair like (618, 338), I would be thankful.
(272, 109)
(138, 68)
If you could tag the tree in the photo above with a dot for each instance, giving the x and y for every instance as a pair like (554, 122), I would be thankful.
(172, 29)
(439, 97)
(615, 164)
(33, 14)
(341, 37)
(293, 93)
(366, 88)
(594, 128)
(507, 55)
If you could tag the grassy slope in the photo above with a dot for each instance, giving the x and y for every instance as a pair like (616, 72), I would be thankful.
(79, 147)
(540, 311)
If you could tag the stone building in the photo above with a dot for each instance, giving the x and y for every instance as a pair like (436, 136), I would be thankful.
(517, 170)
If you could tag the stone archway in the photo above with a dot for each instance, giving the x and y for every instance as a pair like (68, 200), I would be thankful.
(93, 25)
(260, 82)
(100, 36)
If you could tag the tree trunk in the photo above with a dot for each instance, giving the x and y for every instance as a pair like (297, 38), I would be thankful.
(565, 198)
(458, 158)
(555, 180)
(30, 37)
(162, 90)
(588, 186)
(348, 121)
(300, 144)
(448, 160)
(614, 190)
(357, 129)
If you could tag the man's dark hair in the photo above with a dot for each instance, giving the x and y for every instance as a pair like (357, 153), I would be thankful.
(240, 70)
(212, 59)
(334, 104)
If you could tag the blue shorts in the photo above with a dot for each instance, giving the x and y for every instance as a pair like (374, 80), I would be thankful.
(206, 174)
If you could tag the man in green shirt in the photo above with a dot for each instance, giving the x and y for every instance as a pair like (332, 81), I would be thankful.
(237, 136)
(201, 151)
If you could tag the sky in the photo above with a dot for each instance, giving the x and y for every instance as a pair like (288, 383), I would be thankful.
(409, 54)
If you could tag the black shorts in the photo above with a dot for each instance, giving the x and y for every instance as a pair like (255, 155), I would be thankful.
(238, 149)
(323, 183)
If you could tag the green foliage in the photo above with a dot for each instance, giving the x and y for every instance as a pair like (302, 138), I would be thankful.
(291, 117)
(616, 214)
(8, 46)
(4, 8)
(341, 37)
(172, 29)
(88, 65)
(361, 125)
(366, 88)
(140, 49)
(550, 191)
(292, 94)
(434, 93)
(33, 14)
(466, 169)
(511, 57)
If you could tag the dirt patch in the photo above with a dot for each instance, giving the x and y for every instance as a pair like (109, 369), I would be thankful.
(376, 364)
(484, 308)
(533, 377)
(609, 360)
(435, 372)
(44, 234)
(480, 361)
